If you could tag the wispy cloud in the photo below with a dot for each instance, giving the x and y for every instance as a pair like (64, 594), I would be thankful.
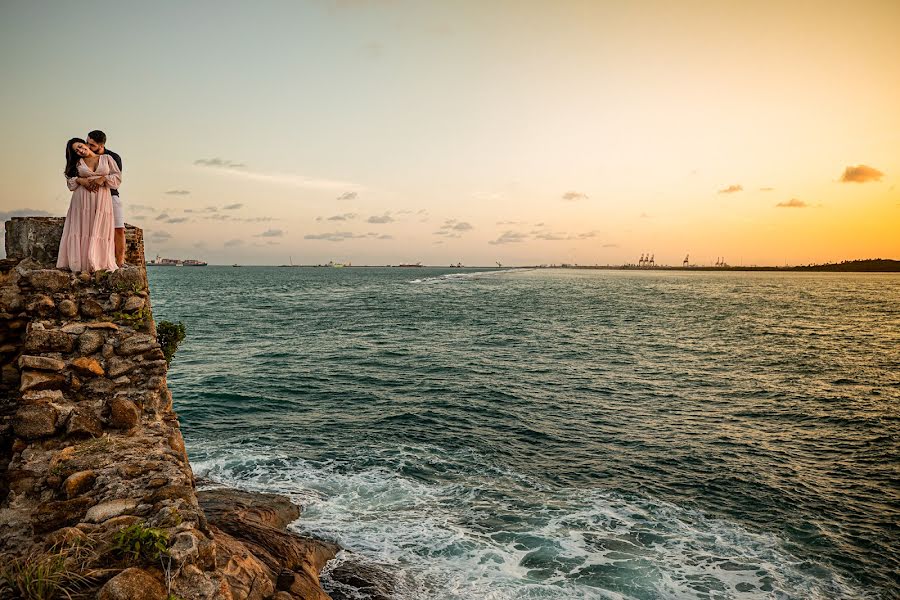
(219, 163)
(241, 170)
(380, 219)
(270, 233)
(509, 237)
(610, 245)
(232, 206)
(177, 192)
(233, 243)
(766, 189)
(732, 189)
(337, 236)
(160, 236)
(162, 216)
(348, 196)
(178, 220)
(861, 174)
(142, 208)
(572, 196)
(792, 203)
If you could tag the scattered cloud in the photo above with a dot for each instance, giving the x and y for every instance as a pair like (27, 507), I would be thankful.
(23, 212)
(610, 245)
(269, 233)
(201, 245)
(160, 236)
(219, 163)
(509, 237)
(343, 217)
(513, 223)
(337, 236)
(177, 192)
(348, 196)
(177, 220)
(861, 174)
(142, 208)
(732, 189)
(588, 234)
(380, 219)
(234, 243)
(232, 206)
(162, 216)
(766, 189)
(792, 203)
(550, 236)
(574, 196)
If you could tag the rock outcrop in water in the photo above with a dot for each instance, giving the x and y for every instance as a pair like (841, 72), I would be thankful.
(97, 496)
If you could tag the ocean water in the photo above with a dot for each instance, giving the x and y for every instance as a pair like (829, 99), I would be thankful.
(556, 434)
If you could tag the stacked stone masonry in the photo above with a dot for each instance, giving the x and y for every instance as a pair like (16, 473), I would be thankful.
(89, 442)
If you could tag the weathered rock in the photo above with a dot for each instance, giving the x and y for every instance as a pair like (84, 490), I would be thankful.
(41, 305)
(42, 340)
(119, 366)
(49, 280)
(66, 537)
(67, 308)
(38, 395)
(137, 344)
(87, 366)
(34, 421)
(133, 584)
(134, 303)
(89, 342)
(83, 422)
(108, 510)
(55, 514)
(40, 380)
(74, 328)
(127, 279)
(42, 363)
(103, 325)
(115, 301)
(78, 483)
(91, 308)
(34, 237)
(123, 414)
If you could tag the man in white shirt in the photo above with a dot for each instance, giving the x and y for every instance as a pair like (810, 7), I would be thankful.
(96, 141)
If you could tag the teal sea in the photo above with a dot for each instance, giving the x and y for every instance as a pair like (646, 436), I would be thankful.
(556, 434)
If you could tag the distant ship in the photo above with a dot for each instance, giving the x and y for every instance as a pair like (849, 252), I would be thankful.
(175, 262)
(418, 264)
(291, 260)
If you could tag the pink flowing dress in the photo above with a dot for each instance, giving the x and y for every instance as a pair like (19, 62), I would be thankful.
(87, 242)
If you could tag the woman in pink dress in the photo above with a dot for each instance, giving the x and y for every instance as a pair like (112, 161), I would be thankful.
(87, 242)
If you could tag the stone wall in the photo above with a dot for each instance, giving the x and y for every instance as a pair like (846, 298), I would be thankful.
(89, 443)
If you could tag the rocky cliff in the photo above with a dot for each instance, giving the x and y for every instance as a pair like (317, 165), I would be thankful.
(97, 497)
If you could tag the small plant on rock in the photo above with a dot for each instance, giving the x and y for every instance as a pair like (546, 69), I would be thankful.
(169, 335)
(139, 543)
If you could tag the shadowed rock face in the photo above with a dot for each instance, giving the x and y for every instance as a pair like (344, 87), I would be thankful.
(89, 443)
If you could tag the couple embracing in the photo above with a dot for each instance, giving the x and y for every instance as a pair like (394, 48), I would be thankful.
(94, 233)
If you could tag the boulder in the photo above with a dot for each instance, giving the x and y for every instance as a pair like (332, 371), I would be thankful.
(49, 280)
(91, 308)
(137, 344)
(123, 414)
(40, 380)
(78, 483)
(127, 279)
(47, 340)
(41, 363)
(41, 305)
(134, 303)
(110, 509)
(34, 421)
(133, 584)
(51, 515)
(89, 342)
(87, 366)
(83, 422)
(119, 366)
(67, 308)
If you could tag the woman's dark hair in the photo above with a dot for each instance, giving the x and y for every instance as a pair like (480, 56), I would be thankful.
(72, 158)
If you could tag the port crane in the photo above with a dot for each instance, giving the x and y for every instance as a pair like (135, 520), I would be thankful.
(687, 261)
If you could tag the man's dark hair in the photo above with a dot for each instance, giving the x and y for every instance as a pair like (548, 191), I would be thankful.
(98, 136)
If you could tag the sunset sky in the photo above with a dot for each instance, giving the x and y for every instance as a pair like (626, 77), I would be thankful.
(516, 131)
